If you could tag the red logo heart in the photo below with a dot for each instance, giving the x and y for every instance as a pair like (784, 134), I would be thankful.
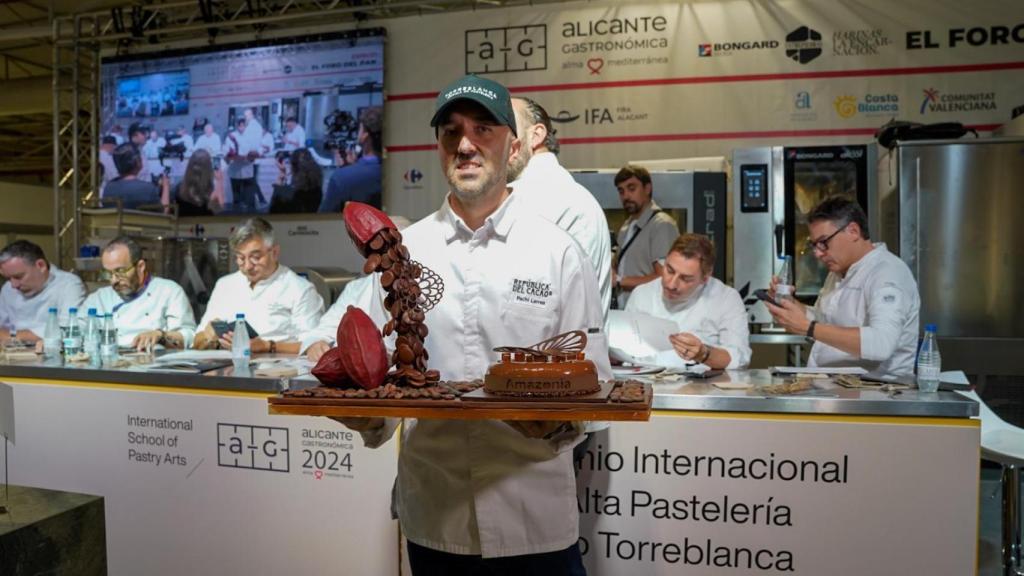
(595, 65)
(318, 474)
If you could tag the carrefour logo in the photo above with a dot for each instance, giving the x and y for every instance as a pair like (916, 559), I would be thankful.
(412, 176)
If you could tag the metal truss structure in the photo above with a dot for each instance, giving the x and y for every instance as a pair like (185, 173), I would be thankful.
(78, 40)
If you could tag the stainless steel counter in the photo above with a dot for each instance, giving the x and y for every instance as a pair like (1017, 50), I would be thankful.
(685, 394)
(825, 398)
(220, 379)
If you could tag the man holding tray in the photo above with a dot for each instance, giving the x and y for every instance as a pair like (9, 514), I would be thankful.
(486, 496)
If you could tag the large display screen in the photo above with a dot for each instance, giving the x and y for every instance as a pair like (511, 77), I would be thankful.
(271, 127)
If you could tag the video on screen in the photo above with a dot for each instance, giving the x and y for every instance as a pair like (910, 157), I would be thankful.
(284, 126)
(160, 94)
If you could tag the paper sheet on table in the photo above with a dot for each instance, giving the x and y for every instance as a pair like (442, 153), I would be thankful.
(954, 377)
(187, 355)
(637, 337)
(819, 370)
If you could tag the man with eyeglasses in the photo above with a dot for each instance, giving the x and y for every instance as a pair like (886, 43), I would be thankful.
(147, 310)
(867, 312)
(33, 286)
(278, 303)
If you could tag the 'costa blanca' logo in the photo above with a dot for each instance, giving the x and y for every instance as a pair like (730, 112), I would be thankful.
(846, 106)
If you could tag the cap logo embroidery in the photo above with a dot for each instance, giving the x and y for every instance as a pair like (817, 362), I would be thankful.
(489, 94)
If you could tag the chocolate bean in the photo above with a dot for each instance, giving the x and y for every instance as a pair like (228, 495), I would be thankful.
(422, 331)
(372, 262)
(432, 375)
(386, 262)
(386, 279)
(377, 242)
(405, 353)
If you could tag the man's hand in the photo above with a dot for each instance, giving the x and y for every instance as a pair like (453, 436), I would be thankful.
(147, 340)
(790, 314)
(206, 339)
(365, 424)
(537, 429)
(28, 336)
(317, 350)
(687, 346)
(256, 345)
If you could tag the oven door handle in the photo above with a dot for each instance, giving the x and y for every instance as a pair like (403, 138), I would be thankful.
(779, 235)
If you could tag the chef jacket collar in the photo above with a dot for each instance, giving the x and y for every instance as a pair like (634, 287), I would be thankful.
(498, 224)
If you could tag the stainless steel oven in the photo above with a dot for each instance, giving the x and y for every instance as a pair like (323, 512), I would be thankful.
(774, 189)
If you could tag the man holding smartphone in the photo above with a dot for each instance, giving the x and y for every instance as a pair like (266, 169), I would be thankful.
(867, 312)
(279, 304)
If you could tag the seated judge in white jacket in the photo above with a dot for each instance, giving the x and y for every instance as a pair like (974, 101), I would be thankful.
(278, 303)
(711, 317)
(147, 310)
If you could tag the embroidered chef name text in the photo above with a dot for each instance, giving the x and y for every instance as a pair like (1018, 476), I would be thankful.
(531, 288)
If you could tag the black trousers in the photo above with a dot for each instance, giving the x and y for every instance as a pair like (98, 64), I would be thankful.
(244, 192)
(428, 562)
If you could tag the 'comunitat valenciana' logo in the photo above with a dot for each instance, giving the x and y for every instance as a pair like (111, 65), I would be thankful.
(936, 101)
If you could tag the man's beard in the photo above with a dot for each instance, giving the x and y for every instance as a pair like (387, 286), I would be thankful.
(125, 290)
(470, 191)
(518, 164)
(631, 207)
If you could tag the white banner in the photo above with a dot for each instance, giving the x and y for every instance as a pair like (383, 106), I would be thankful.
(770, 494)
(209, 483)
(647, 80)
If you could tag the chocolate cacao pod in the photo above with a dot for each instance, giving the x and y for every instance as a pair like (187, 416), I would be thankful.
(362, 222)
(362, 349)
(330, 371)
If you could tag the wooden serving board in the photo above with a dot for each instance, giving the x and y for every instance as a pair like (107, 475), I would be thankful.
(472, 406)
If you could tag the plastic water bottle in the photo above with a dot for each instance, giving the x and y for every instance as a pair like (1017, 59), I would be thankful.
(784, 287)
(240, 351)
(73, 337)
(929, 362)
(51, 335)
(108, 340)
(91, 338)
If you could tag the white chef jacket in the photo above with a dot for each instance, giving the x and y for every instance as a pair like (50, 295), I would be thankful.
(549, 190)
(716, 315)
(879, 295)
(162, 305)
(240, 168)
(295, 139)
(209, 143)
(62, 290)
(109, 169)
(283, 307)
(479, 486)
(357, 293)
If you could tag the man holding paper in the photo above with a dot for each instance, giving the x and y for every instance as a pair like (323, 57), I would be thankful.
(710, 315)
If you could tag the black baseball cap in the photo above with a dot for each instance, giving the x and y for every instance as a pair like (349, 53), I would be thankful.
(488, 93)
